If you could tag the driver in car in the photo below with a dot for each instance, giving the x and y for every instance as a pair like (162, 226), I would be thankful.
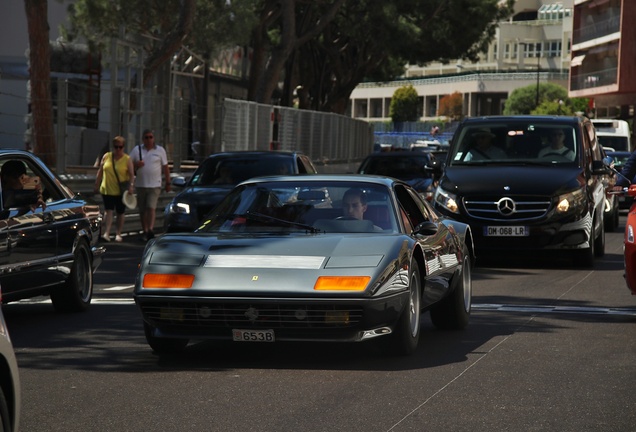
(354, 204)
(13, 176)
(557, 146)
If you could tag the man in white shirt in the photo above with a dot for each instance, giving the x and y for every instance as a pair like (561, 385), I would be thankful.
(149, 161)
(557, 149)
(483, 148)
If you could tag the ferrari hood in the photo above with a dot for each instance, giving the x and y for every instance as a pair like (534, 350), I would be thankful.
(302, 251)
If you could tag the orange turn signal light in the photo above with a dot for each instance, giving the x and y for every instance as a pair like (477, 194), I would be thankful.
(342, 283)
(154, 280)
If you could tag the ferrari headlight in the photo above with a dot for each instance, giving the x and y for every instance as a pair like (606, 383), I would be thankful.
(180, 207)
(446, 200)
(570, 201)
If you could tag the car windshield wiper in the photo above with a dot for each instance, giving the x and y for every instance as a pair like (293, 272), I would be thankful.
(260, 216)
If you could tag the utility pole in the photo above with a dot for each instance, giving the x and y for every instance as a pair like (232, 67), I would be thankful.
(538, 73)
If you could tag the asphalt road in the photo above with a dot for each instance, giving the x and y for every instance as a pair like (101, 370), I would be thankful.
(549, 348)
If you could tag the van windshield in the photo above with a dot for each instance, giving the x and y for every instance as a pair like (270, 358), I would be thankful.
(526, 143)
(613, 142)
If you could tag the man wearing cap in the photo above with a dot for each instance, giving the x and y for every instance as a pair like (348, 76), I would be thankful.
(483, 148)
(149, 160)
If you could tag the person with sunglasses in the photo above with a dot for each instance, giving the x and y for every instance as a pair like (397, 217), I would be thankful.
(149, 160)
(115, 169)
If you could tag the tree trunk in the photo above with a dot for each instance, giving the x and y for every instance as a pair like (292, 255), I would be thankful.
(43, 136)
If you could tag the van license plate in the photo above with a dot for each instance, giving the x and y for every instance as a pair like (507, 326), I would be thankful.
(253, 335)
(506, 231)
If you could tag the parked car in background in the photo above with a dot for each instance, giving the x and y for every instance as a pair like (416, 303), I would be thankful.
(528, 184)
(10, 389)
(218, 174)
(415, 168)
(340, 258)
(618, 159)
(47, 250)
(613, 134)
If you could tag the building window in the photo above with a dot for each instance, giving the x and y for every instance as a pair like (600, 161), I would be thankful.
(553, 48)
(554, 12)
(532, 50)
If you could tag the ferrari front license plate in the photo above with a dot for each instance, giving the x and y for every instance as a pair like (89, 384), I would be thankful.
(253, 335)
(506, 231)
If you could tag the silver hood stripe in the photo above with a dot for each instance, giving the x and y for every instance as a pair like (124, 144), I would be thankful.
(264, 261)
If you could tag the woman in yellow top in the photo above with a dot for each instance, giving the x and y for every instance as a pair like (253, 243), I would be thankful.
(107, 183)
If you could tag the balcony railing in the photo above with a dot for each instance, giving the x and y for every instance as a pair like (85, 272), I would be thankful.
(594, 79)
(603, 25)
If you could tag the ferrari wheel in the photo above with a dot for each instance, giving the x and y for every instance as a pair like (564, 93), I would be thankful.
(406, 335)
(453, 312)
(163, 345)
(76, 293)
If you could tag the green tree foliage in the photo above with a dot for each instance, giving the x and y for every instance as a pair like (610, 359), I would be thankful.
(451, 106)
(325, 48)
(523, 100)
(370, 40)
(163, 26)
(404, 104)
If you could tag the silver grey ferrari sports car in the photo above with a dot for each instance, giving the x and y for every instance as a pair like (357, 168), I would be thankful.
(308, 258)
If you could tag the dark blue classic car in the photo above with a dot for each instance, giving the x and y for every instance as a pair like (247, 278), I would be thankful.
(48, 245)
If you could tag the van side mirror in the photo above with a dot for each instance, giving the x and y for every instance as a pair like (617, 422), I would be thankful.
(600, 167)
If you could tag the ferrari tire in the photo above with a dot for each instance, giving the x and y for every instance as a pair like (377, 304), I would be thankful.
(76, 293)
(406, 335)
(163, 345)
(453, 312)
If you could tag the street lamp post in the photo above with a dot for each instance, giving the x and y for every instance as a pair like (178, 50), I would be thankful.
(538, 71)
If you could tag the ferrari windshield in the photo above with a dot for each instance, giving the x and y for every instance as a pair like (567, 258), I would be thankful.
(317, 207)
(515, 143)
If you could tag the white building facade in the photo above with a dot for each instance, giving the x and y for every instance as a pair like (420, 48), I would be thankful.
(532, 47)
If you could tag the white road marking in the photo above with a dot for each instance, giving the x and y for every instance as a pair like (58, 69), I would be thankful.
(582, 310)
(119, 288)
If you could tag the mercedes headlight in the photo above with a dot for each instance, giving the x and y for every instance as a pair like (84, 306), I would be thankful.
(446, 200)
(569, 201)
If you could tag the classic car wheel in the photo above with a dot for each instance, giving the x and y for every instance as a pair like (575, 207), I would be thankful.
(76, 293)
(163, 345)
(453, 312)
(406, 335)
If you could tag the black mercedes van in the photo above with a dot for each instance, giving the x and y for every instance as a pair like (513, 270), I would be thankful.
(527, 183)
